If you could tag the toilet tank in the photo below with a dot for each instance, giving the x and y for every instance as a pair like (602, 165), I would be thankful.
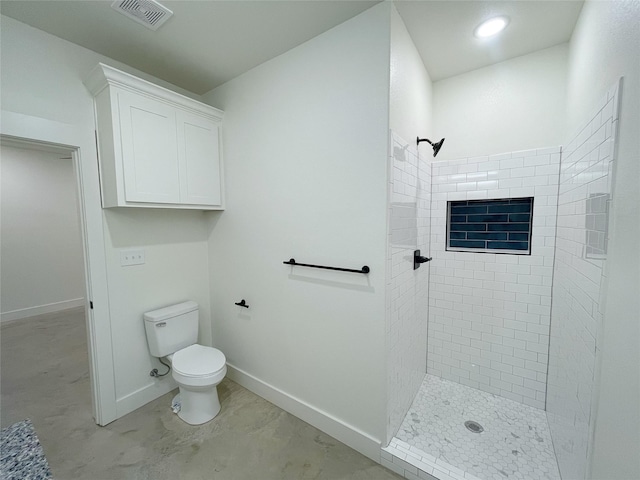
(171, 328)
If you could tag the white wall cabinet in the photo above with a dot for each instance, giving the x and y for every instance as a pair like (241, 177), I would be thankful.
(157, 148)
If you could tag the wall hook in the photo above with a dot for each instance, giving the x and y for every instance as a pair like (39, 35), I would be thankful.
(242, 303)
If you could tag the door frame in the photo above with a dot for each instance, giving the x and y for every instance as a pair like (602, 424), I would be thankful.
(80, 141)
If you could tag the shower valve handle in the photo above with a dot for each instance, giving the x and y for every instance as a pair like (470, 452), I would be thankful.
(418, 259)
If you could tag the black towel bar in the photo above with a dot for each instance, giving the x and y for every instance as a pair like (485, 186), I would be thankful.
(364, 269)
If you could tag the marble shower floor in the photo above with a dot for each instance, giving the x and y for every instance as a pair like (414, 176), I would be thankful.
(515, 443)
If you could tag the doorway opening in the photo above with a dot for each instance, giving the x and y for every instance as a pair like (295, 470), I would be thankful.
(76, 144)
(45, 358)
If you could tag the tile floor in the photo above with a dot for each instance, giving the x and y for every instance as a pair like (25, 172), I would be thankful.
(433, 442)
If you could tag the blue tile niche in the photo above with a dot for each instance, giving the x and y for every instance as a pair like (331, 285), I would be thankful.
(497, 226)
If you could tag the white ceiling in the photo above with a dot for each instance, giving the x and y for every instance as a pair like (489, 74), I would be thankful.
(443, 31)
(208, 42)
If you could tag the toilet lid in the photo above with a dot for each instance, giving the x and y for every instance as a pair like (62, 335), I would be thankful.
(198, 361)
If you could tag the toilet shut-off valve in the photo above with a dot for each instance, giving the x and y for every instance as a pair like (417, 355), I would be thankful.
(418, 259)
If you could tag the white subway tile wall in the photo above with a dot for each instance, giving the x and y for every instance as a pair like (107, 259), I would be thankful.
(586, 173)
(408, 228)
(489, 313)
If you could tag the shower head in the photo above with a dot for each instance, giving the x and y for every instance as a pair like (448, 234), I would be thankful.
(436, 146)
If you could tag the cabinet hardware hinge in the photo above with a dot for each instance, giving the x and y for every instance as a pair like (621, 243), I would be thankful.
(91, 305)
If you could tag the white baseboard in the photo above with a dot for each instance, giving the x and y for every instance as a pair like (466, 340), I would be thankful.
(347, 434)
(40, 310)
(144, 395)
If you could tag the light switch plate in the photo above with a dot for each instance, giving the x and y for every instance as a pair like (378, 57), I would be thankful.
(131, 257)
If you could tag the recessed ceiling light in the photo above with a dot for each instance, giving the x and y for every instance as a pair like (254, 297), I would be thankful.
(491, 27)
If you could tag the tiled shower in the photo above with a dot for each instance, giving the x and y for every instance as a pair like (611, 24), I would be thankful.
(489, 312)
(516, 333)
(586, 177)
(407, 294)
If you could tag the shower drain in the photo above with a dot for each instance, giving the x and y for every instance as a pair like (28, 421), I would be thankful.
(475, 427)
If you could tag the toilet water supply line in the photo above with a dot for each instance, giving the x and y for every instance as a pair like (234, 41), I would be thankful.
(154, 372)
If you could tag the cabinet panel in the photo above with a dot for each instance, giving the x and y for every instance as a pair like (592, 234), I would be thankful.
(157, 148)
(199, 159)
(149, 150)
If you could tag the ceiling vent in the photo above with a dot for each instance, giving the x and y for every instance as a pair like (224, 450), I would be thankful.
(146, 12)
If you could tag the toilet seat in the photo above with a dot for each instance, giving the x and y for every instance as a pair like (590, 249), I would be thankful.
(198, 361)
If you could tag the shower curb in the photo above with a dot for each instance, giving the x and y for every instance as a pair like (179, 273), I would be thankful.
(412, 463)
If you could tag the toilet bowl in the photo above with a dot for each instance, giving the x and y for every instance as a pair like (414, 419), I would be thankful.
(198, 370)
(172, 332)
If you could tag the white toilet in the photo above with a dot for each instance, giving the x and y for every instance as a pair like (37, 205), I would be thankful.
(172, 332)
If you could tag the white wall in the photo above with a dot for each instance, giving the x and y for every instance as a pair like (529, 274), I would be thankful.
(489, 313)
(604, 47)
(409, 226)
(305, 140)
(42, 265)
(175, 269)
(410, 99)
(518, 104)
(42, 76)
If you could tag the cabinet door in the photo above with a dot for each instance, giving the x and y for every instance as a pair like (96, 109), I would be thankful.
(149, 149)
(199, 154)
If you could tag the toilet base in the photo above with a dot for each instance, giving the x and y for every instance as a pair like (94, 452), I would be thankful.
(198, 405)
